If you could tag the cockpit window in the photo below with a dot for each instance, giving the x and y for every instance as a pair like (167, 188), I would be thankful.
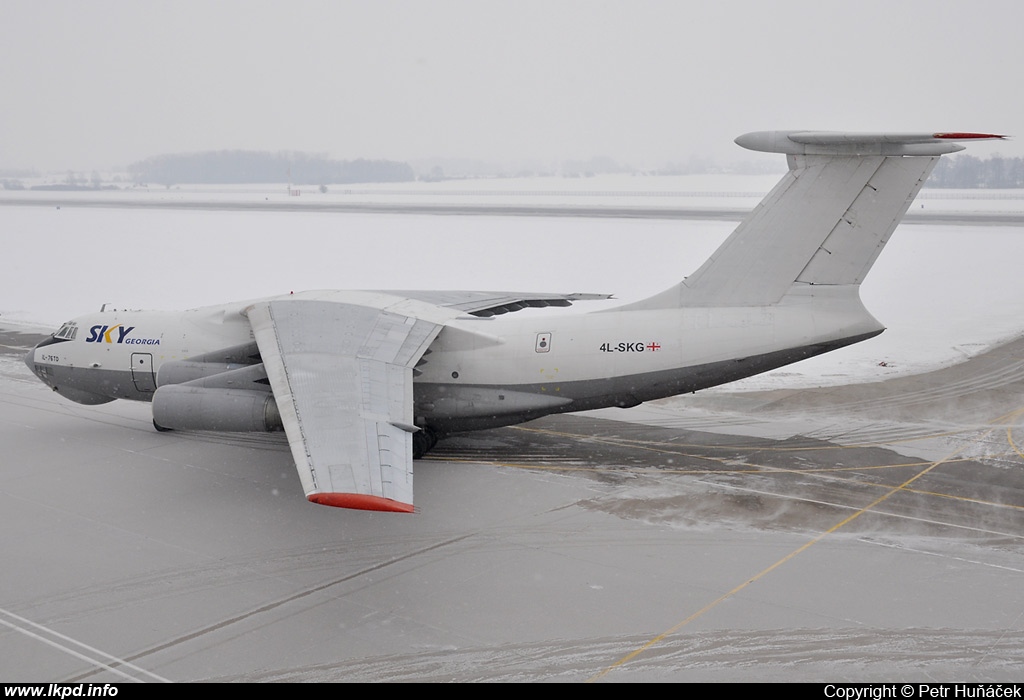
(67, 331)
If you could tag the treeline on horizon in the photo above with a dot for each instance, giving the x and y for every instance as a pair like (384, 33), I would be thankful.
(967, 172)
(252, 167)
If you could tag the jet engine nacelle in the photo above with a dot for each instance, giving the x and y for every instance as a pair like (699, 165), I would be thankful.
(181, 371)
(180, 407)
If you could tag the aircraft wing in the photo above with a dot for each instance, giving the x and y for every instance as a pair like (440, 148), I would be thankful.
(494, 303)
(340, 365)
(341, 374)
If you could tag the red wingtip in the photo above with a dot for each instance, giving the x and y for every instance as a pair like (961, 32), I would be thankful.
(966, 135)
(360, 501)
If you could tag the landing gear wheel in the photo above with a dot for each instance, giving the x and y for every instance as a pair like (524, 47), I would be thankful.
(423, 441)
(160, 428)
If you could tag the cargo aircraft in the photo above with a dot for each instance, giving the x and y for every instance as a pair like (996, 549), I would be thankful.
(364, 382)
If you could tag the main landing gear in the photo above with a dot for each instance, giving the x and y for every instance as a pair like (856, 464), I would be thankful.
(423, 441)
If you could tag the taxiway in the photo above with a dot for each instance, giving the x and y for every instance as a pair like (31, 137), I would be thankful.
(440, 208)
(867, 532)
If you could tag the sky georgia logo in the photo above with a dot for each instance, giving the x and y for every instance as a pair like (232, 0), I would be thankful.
(106, 334)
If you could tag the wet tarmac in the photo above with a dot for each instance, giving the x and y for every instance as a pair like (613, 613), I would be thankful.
(869, 532)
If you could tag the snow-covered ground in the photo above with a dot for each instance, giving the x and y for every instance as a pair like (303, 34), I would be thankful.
(945, 292)
(682, 191)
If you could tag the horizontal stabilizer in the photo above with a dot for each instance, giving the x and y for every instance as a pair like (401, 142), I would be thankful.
(806, 143)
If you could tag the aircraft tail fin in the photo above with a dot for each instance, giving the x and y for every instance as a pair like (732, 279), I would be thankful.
(824, 223)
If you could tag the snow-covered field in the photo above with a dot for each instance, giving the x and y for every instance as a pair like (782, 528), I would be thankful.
(722, 191)
(945, 292)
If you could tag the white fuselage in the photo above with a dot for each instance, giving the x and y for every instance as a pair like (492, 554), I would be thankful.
(483, 372)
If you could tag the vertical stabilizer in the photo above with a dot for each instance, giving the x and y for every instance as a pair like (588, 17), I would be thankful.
(823, 224)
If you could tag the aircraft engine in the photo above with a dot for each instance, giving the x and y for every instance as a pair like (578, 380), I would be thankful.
(181, 371)
(184, 407)
(215, 392)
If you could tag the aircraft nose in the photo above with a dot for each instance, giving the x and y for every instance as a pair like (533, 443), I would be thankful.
(30, 360)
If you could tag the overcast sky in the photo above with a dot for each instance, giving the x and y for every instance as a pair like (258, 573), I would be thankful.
(103, 83)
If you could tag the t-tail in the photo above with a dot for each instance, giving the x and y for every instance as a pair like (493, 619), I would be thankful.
(824, 223)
